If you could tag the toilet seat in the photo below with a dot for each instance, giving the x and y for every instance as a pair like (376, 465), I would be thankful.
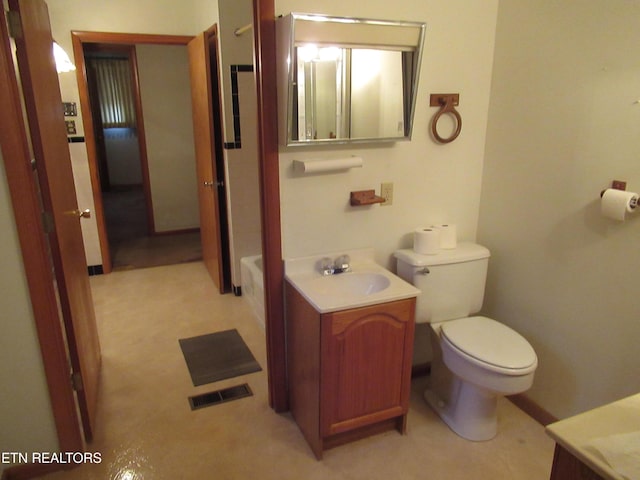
(490, 344)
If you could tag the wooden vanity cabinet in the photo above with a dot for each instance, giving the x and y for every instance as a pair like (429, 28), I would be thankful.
(567, 467)
(349, 372)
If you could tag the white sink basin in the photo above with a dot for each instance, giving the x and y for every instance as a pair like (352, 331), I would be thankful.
(351, 283)
(366, 284)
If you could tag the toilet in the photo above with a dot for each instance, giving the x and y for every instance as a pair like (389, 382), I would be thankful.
(475, 359)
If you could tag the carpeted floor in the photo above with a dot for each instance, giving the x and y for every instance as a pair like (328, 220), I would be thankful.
(131, 246)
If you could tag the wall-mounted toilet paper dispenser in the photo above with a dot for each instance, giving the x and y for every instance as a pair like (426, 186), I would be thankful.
(616, 202)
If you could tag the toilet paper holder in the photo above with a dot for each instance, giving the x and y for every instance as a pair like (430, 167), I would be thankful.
(616, 185)
(616, 202)
(620, 185)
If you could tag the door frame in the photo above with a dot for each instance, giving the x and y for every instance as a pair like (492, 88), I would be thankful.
(264, 27)
(37, 264)
(78, 39)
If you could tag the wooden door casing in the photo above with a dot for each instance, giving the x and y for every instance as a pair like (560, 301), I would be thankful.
(45, 116)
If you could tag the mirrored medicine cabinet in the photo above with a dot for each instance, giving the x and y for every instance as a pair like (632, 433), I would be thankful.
(347, 79)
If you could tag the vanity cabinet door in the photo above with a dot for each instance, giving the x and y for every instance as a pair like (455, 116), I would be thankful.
(366, 365)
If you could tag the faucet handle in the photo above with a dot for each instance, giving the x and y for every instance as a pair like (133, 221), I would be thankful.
(325, 264)
(343, 261)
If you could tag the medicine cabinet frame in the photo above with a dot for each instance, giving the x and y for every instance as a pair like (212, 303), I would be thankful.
(353, 37)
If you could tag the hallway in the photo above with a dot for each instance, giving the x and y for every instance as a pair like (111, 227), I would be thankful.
(146, 429)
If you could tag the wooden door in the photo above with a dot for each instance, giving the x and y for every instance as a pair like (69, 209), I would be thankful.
(366, 365)
(55, 178)
(205, 148)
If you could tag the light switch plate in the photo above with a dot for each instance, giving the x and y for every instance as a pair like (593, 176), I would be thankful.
(386, 192)
(70, 109)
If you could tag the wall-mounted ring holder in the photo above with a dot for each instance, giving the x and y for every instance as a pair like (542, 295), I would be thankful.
(447, 103)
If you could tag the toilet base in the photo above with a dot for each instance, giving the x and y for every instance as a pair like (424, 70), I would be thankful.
(471, 412)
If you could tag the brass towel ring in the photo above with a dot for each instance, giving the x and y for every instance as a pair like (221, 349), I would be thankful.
(447, 103)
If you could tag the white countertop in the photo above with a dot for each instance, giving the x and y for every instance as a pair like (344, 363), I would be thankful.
(598, 437)
(304, 275)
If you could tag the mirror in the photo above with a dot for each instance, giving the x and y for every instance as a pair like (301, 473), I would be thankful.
(350, 80)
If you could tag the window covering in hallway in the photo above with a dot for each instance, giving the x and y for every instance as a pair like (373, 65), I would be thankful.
(115, 91)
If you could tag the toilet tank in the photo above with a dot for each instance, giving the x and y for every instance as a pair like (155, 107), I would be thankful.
(452, 281)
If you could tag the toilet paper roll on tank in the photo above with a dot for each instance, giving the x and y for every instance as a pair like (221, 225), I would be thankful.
(430, 240)
(615, 204)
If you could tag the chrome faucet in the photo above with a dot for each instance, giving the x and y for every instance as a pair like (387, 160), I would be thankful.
(339, 265)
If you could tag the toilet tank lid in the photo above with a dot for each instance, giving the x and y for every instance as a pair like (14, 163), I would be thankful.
(464, 252)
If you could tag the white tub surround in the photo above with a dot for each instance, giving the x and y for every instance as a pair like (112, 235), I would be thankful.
(252, 278)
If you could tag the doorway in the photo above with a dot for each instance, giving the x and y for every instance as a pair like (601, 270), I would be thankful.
(143, 173)
(111, 73)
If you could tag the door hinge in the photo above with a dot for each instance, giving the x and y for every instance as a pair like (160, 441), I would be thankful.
(47, 222)
(76, 381)
(14, 24)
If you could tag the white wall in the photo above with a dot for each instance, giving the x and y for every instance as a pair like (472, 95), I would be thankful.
(165, 91)
(25, 411)
(433, 183)
(563, 124)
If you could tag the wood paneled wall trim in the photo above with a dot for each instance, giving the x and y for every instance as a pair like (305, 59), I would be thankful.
(264, 22)
(532, 409)
(131, 38)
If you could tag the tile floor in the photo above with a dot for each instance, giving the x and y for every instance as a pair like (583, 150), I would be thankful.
(146, 429)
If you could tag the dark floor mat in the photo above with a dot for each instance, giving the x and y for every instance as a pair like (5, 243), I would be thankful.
(217, 356)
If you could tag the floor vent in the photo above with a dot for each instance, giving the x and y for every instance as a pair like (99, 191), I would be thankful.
(220, 396)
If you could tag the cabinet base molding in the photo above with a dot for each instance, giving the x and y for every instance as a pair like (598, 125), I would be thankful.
(398, 423)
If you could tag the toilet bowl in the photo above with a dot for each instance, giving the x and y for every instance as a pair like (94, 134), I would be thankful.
(475, 359)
